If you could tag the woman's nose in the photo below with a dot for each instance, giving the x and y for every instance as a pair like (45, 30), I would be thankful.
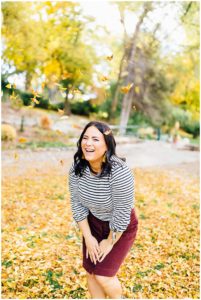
(88, 142)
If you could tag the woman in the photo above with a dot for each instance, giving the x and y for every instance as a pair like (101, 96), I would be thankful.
(102, 196)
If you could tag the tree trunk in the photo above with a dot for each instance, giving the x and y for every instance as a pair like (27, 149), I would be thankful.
(67, 111)
(127, 100)
(28, 81)
(116, 94)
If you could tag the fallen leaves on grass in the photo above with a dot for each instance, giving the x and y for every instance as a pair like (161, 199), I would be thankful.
(41, 245)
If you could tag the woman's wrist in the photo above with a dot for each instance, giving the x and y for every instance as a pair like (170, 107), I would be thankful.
(112, 237)
(87, 236)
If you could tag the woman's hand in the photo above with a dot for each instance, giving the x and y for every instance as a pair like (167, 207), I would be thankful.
(105, 247)
(93, 249)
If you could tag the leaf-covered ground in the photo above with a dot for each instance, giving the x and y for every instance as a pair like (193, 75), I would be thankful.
(41, 246)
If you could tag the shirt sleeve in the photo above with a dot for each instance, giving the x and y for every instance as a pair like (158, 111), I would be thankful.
(78, 210)
(123, 198)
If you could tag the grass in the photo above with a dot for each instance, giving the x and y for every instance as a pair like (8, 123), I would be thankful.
(44, 144)
(195, 141)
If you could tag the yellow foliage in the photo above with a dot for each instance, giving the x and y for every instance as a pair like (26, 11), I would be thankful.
(41, 245)
(8, 132)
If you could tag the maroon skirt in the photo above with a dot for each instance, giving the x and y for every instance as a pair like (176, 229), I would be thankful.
(112, 262)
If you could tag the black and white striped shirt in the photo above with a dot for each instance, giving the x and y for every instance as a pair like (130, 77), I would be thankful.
(109, 198)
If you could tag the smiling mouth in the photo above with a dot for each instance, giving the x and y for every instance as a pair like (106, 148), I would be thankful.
(89, 151)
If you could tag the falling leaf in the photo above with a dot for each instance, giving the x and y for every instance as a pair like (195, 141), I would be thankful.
(137, 89)
(134, 107)
(107, 132)
(22, 140)
(60, 111)
(109, 57)
(104, 78)
(66, 75)
(16, 156)
(61, 162)
(76, 126)
(13, 96)
(126, 89)
(43, 84)
(59, 132)
(35, 93)
(9, 86)
(14, 85)
(35, 100)
(76, 91)
(64, 117)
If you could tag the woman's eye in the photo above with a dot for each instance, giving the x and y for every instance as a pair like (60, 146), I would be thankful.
(96, 140)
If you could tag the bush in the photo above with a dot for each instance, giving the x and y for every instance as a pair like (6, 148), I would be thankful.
(8, 133)
(186, 121)
(26, 98)
(82, 108)
(192, 128)
(45, 122)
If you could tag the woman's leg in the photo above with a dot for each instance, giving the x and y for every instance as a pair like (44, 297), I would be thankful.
(95, 288)
(110, 285)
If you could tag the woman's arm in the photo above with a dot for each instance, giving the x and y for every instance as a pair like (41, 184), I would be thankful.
(80, 214)
(91, 242)
(84, 227)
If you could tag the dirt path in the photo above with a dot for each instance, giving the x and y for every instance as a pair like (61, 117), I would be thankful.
(149, 154)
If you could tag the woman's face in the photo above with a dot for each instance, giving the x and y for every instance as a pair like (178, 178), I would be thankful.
(93, 144)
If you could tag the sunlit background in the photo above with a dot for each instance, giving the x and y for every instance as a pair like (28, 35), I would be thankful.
(127, 63)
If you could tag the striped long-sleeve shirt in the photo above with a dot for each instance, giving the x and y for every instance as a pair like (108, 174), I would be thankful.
(109, 198)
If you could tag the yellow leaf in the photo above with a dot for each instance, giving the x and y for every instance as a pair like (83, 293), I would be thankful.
(104, 78)
(35, 100)
(8, 86)
(76, 126)
(14, 85)
(137, 89)
(76, 91)
(109, 57)
(43, 84)
(66, 75)
(59, 131)
(13, 96)
(22, 140)
(107, 132)
(126, 89)
(61, 162)
(35, 93)
(16, 156)
(64, 118)
(11, 284)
